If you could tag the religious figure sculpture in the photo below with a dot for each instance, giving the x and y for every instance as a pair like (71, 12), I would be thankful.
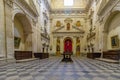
(58, 24)
(77, 46)
(58, 44)
(78, 24)
(68, 26)
(58, 47)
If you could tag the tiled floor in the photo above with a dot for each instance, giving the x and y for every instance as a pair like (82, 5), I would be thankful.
(54, 69)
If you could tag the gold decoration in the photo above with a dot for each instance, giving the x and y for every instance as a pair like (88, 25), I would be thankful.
(78, 24)
(77, 46)
(68, 26)
(58, 44)
(58, 24)
(77, 41)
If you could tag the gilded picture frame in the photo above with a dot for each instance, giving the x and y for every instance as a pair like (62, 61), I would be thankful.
(115, 41)
(17, 42)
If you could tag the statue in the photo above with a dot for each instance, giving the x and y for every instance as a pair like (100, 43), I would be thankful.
(68, 26)
(58, 44)
(58, 24)
(78, 24)
(78, 44)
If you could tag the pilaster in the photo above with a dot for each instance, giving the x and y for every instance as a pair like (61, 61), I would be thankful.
(9, 36)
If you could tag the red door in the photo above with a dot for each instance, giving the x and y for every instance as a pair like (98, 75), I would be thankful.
(68, 45)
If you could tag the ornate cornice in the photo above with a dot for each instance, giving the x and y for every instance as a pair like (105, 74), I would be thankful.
(68, 32)
(79, 29)
(9, 2)
(23, 4)
(68, 11)
(58, 29)
(107, 7)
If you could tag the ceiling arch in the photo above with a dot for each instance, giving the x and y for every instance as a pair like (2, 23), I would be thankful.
(59, 4)
(79, 6)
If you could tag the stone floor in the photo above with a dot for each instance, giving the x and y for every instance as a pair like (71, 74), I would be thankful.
(54, 69)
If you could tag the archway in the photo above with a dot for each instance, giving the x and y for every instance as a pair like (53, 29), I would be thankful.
(22, 33)
(68, 45)
(111, 28)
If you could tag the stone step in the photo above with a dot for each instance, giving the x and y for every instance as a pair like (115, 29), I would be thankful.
(26, 60)
(108, 60)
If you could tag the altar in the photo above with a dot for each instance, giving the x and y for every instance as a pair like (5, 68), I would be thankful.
(67, 57)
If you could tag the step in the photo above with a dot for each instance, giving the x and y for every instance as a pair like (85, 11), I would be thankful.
(26, 60)
(108, 60)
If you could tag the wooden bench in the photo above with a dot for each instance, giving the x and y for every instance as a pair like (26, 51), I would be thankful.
(19, 55)
(94, 55)
(41, 55)
(112, 54)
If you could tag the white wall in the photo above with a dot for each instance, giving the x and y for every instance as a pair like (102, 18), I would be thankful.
(113, 29)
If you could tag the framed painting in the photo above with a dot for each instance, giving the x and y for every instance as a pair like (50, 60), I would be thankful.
(115, 41)
(17, 42)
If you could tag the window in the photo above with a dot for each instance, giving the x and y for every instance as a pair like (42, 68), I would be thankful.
(68, 2)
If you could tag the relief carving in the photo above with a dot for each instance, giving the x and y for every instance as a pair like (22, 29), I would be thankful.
(78, 24)
(58, 24)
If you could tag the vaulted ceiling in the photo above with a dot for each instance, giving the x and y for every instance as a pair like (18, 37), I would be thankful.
(78, 5)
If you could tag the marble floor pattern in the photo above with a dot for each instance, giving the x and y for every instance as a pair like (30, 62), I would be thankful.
(54, 69)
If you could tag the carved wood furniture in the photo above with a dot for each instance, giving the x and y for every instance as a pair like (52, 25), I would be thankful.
(67, 57)
(112, 54)
(94, 55)
(41, 55)
(19, 55)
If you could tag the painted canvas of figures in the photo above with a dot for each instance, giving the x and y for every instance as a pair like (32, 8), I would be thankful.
(115, 41)
(17, 42)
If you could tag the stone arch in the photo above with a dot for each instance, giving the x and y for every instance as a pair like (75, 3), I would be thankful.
(22, 31)
(108, 27)
(68, 38)
(109, 19)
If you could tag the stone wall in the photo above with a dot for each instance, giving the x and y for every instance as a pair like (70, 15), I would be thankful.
(2, 30)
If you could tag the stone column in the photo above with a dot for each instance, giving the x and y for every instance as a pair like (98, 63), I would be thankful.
(51, 38)
(2, 31)
(74, 46)
(104, 40)
(54, 45)
(62, 45)
(9, 37)
(34, 40)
